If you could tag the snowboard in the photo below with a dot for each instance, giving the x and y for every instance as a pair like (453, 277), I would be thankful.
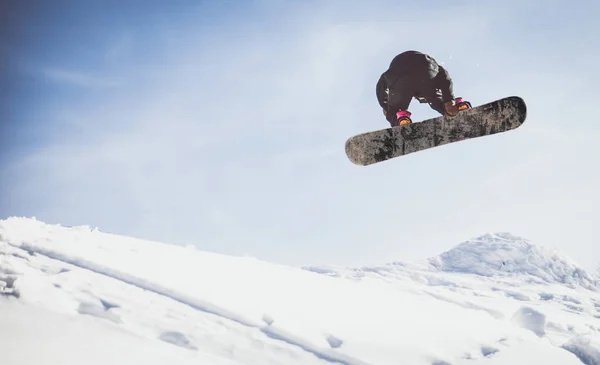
(495, 117)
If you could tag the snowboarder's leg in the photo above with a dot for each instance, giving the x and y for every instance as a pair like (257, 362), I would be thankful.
(437, 104)
(399, 100)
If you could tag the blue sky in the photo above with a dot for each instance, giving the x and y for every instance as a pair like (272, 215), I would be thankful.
(222, 125)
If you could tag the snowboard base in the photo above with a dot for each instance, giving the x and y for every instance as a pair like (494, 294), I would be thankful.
(495, 117)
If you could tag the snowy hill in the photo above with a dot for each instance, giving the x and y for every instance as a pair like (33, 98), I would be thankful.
(75, 295)
(505, 254)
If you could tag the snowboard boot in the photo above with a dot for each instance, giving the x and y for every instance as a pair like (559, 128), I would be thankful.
(462, 104)
(403, 118)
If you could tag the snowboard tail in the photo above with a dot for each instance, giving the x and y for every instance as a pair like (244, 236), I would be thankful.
(495, 117)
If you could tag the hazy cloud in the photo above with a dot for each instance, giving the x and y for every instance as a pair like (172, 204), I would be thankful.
(79, 79)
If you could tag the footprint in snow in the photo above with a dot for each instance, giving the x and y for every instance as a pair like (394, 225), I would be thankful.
(334, 342)
(488, 351)
(109, 305)
(567, 298)
(268, 319)
(99, 311)
(485, 351)
(574, 308)
(54, 271)
(177, 339)
(517, 296)
(19, 256)
(7, 286)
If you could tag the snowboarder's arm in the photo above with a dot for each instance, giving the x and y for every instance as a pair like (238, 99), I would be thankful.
(381, 93)
(444, 82)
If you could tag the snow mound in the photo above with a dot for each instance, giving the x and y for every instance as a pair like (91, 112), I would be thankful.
(530, 319)
(505, 254)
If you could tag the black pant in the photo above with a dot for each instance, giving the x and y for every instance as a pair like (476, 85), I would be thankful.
(407, 87)
(435, 103)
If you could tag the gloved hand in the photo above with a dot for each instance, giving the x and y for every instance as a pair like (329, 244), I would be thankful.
(451, 108)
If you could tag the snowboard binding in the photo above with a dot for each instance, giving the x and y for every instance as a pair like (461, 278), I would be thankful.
(403, 117)
(462, 104)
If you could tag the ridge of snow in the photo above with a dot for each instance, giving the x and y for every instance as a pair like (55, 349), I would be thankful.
(502, 254)
(494, 255)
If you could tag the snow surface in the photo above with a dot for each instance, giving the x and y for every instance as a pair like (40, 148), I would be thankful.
(73, 295)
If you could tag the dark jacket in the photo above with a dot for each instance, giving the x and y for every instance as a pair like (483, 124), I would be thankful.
(412, 74)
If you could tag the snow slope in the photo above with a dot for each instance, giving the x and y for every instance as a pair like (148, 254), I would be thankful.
(75, 295)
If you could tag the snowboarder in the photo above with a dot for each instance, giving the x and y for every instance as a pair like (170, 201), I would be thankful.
(415, 74)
